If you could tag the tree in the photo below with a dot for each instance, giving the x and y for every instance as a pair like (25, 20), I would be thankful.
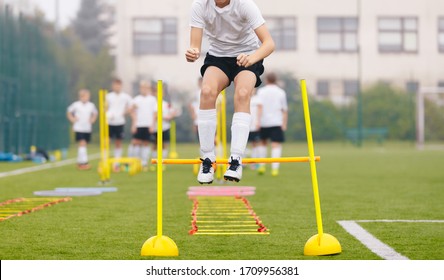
(91, 26)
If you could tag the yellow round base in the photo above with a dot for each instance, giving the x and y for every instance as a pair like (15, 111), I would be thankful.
(173, 155)
(325, 245)
(160, 246)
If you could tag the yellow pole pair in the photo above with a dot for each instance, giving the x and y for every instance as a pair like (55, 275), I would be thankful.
(104, 169)
(159, 245)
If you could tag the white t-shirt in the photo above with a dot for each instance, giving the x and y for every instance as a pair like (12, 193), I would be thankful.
(230, 30)
(166, 109)
(145, 108)
(255, 102)
(118, 105)
(274, 102)
(83, 112)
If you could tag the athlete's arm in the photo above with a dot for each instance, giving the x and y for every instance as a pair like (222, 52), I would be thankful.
(193, 52)
(264, 50)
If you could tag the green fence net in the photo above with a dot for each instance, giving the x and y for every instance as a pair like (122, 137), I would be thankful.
(33, 86)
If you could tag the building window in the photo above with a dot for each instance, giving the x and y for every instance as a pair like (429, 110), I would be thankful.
(283, 31)
(323, 88)
(337, 34)
(412, 86)
(441, 34)
(154, 36)
(351, 87)
(398, 34)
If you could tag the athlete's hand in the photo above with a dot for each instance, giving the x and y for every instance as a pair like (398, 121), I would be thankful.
(192, 54)
(133, 129)
(244, 60)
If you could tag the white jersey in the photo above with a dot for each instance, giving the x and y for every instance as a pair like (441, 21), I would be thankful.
(274, 102)
(166, 110)
(255, 103)
(230, 30)
(83, 113)
(145, 107)
(118, 104)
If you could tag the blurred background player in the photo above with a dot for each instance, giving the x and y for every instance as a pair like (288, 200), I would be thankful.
(254, 137)
(168, 114)
(142, 112)
(273, 120)
(82, 114)
(118, 104)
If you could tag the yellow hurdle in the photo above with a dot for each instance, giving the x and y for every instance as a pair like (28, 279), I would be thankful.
(245, 160)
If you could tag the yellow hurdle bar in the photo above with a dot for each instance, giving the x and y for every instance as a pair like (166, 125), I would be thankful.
(245, 160)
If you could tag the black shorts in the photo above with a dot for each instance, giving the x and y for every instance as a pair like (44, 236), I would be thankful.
(142, 133)
(165, 136)
(229, 66)
(116, 132)
(275, 134)
(83, 136)
(254, 136)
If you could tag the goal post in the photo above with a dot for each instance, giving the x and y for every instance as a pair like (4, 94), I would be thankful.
(420, 111)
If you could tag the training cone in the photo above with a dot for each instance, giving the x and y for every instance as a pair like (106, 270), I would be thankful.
(322, 245)
(160, 246)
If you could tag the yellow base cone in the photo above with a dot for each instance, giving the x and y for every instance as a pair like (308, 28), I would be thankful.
(160, 246)
(327, 245)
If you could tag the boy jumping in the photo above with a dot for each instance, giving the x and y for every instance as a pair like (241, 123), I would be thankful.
(235, 29)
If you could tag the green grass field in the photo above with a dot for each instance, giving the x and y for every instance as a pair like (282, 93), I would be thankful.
(393, 182)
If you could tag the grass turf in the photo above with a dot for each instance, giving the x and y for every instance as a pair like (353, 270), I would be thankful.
(393, 181)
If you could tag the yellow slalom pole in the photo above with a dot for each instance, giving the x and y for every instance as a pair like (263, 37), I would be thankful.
(320, 244)
(245, 160)
(173, 151)
(159, 157)
(218, 139)
(224, 126)
(103, 164)
(159, 245)
(106, 137)
(314, 178)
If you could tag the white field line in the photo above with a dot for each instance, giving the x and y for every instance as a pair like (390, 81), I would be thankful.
(43, 167)
(375, 245)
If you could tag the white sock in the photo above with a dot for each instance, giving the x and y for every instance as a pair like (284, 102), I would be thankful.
(240, 128)
(117, 152)
(255, 152)
(131, 150)
(137, 151)
(145, 154)
(275, 153)
(206, 126)
(262, 153)
(82, 155)
(165, 153)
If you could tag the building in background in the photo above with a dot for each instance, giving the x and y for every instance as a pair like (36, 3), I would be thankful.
(19, 6)
(332, 44)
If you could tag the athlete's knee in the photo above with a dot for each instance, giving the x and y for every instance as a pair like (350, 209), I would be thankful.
(243, 94)
(208, 94)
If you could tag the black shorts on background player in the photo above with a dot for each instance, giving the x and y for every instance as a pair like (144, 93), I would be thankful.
(275, 134)
(142, 133)
(254, 136)
(116, 132)
(83, 136)
(165, 136)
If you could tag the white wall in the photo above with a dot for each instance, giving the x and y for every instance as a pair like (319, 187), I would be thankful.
(426, 66)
